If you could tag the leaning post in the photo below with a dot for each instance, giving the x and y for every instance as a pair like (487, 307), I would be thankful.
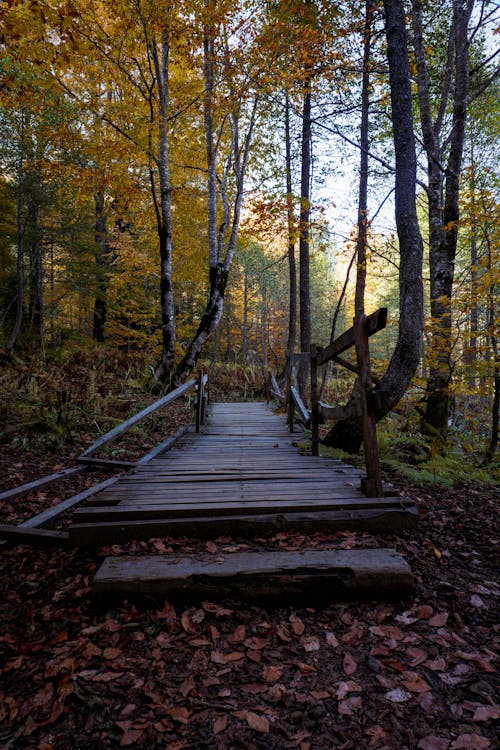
(372, 484)
(314, 400)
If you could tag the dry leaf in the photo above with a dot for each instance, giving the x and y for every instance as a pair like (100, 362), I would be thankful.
(257, 722)
(310, 643)
(486, 713)
(331, 640)
(398, 695)
(439, 620)
(111, 653)
(272, 673)
(471, 742)
(220, 724)
(131, 737)
(349, 664)
(432, 742)
(298, 626)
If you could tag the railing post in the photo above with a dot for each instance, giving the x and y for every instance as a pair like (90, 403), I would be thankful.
(199, 401)
(372, 485)
(288, 390)
(314, 401)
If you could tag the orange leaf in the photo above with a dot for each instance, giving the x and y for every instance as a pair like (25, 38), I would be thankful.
(220, 724)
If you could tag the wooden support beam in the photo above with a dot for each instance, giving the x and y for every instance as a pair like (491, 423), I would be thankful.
(315, 415)
(375, 322)
(124, 426)
(271, 577)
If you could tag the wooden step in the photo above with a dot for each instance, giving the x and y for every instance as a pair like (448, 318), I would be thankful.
(270, 577)
(210, 527)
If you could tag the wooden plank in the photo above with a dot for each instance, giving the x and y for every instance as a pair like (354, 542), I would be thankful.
(375, 322)
(25, 489)
(124, 426)
(35, 537)
(106, 463)
(164, 446)
(47, 515)
(147, 511)
(304, 413)
(271, 577)
(385, 519)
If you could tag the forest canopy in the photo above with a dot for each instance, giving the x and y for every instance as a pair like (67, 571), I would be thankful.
(168, 175)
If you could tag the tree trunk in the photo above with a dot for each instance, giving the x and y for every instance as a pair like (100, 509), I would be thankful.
(347, 434)
(35, 305)
(305, 215)
(102, 259)
(20, 244)
(443, 194)
(292, 267)
(164, 368)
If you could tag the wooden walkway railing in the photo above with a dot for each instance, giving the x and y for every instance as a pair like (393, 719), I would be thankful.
(357, 336)
(31, 531)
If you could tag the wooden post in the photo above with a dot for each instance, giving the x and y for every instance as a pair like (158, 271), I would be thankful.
(199, 400)
(372, 484)
(314, 401)
(288, 391)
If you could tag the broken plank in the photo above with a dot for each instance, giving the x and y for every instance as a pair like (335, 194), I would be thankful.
(385, 519)
(271, 577)
(35, 537)
(217, 507)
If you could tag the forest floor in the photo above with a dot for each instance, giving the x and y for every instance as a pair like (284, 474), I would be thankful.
(414, 675)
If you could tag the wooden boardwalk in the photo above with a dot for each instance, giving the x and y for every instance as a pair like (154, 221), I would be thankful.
(242, 475)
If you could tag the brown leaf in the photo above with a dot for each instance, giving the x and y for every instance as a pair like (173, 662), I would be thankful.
(486, 713)
(211, 547)
(220, 724)
(398, 695)
(349, 664)
(272, 673)
(439, 620)
(310, 643)
(331, 640)
(257, 722)
(105, 676)
(415, 683)
(187, 686)
(376, 734)
(432, 742)
(350, 705)
(471, 742)
(298, 626)
(424, 611)
(180, 714)
(131, 737)
(186, 623)
(111, 653)
(239, 635)
(283, 633)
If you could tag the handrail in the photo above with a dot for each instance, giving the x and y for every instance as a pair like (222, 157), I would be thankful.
(305, 414)
(124, 426)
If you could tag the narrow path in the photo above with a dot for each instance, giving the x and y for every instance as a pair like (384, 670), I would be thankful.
(242, 475)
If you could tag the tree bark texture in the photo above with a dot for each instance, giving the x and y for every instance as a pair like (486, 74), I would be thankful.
(102, 258)
(292, 266)
(164, 368)
(443, 198)
(305, 215)
(347, 434)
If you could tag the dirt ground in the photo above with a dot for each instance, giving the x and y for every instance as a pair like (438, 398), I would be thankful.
(418, 674)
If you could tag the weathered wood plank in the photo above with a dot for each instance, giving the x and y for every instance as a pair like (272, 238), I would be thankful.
(25, 489)
(164, 446)
(124, 426)
(35, 537)
(299, 404)
(206, 527)
(106, 463)
(375, 322)
(272, 577)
